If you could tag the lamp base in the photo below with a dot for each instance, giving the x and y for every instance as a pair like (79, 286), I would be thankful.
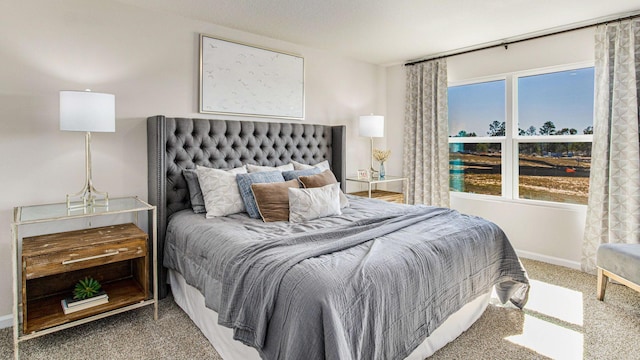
(372, 171)
(87, 198)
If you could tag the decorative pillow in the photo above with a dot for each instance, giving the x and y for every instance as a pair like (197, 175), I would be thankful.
(257, 168)
(324, 178)
(220, 191)
(323, 165)
(244, 184)
(313, 203)
(273, 199)
(295, 174)
(195, 192)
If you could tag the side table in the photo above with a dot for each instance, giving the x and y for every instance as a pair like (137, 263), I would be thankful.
(373, 192)
(44, 266)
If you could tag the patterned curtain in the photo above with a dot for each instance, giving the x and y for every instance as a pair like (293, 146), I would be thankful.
(426, 129)
(613, 213)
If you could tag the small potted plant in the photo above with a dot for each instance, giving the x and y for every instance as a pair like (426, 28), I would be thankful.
(86, 288)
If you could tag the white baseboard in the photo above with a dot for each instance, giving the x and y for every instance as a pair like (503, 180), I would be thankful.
(6, 321)
(549, 259)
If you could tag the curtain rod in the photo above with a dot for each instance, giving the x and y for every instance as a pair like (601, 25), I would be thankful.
(507, 43)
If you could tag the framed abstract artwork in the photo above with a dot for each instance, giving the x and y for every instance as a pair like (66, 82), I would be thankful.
(240, 79)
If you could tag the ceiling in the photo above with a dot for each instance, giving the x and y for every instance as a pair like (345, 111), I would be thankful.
(392, 31)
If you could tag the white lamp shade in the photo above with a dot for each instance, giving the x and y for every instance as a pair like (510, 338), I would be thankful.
(87, 111)
(372, 126)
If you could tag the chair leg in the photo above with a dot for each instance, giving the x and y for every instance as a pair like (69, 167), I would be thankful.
(602, 284)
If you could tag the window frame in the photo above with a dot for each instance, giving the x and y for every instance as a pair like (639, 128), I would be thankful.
(510, 143)
(487, 139)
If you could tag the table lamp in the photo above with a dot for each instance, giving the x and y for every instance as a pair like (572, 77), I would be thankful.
(372, 126)
(89, 112)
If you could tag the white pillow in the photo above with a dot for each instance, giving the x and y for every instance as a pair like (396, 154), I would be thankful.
(220, 191)
(257, 168)
(313, 203)
(323, 165)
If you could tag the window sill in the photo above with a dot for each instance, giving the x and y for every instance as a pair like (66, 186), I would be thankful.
(526, 202)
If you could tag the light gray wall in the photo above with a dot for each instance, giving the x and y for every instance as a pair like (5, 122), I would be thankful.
(549, 233)
(149, 61)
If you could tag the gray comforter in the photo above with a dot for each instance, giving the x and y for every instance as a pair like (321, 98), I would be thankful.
(372, 283)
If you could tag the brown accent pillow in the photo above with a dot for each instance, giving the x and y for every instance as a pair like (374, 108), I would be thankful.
(324, 178)
(319, 180)
(273, 199)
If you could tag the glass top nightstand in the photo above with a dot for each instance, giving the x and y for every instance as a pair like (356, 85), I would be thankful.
(49, 220)
(48, 212)
(373, 181)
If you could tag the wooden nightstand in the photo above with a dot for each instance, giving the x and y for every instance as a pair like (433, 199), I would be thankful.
(48, 265)
(374, 193)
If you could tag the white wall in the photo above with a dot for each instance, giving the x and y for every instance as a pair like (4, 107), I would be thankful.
(394, 121)
(149, 60)
(548, 233)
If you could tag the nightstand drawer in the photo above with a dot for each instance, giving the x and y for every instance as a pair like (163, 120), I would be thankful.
(73, 250)
(84, 257)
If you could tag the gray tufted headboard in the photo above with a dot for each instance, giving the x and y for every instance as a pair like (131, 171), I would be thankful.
(174, 144)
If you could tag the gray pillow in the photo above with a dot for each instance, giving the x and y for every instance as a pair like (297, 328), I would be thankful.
(295, 174)
(313, 203)
(244, 185)
(195, 192)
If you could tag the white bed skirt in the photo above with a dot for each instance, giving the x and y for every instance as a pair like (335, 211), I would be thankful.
(192, 302)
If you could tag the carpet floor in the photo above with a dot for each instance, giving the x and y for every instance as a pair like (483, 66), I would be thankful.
(562, 320)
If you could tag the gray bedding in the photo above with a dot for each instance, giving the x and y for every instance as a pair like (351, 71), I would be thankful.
(372, 283)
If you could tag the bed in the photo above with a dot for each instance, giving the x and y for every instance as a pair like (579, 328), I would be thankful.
(377, 281)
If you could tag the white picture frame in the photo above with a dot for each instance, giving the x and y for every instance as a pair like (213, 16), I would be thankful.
(363, 174)
(242, 79)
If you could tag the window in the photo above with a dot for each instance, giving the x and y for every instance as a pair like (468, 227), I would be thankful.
(562, 176)
(473, 106)
(475, 168)
(523, 136)
(557, 103)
